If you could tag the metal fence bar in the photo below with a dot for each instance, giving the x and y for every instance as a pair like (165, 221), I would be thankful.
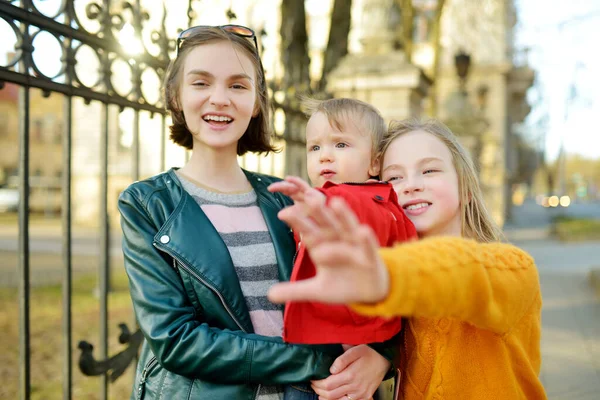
(88, 94)
(67, 249)
(24, 251)
(135, 147)
(163, 142)
(103, 270)
(24, 294)
(67, 240)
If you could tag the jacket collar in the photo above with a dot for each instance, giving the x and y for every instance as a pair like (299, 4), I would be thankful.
(194, 241)
(382, 191)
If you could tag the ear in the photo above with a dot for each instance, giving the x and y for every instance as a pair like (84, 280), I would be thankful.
(256, 110)
(375, 167)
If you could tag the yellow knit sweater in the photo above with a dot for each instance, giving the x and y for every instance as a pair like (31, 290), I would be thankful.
(473, 312)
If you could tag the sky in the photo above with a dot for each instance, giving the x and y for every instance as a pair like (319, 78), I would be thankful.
(563, 39)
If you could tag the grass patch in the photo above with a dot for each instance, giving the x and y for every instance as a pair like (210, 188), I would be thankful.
(47, 340)
(576, 229)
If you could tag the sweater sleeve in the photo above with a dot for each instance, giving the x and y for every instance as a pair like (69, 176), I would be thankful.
(489, 285)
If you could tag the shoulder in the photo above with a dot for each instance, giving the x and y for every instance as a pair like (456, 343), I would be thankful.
(262, 178)
(141, 191)
(260, 183)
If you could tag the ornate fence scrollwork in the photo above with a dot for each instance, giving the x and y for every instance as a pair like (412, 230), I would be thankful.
(116, 53)
(116, 364)
(105, 51)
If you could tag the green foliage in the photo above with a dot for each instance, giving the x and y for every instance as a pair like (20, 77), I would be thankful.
(576, 229)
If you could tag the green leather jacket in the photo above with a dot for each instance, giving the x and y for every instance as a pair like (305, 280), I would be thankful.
(189, 305)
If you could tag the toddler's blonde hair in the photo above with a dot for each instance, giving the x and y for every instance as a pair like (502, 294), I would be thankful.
(339, 111)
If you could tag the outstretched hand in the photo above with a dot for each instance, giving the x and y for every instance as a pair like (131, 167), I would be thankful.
(349, 268)
(299, 191)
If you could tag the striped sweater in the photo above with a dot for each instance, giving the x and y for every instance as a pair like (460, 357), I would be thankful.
(240, 223)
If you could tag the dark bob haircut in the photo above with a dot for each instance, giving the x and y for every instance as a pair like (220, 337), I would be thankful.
(257, 138)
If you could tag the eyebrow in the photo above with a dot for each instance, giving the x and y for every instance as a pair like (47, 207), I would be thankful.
(421, 162)
(209, 75)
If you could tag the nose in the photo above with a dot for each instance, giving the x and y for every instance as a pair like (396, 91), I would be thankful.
(219, 96)
(325, 155)
(413, 184)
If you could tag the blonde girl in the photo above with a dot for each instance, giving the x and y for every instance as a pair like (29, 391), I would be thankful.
(472, 304)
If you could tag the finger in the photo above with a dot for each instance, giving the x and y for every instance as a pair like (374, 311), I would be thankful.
(294, 216)
(344, 361)
(359, 234)
(336, 255)
(332, 386)
(337, 394)
(323, 386)
(370, 244)
(300, 183)
(322, 215)
(305, 290)
(287, 189)
(344, 215)
(340, 393)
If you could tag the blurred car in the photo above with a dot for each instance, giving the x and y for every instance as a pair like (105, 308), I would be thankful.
(9, 200)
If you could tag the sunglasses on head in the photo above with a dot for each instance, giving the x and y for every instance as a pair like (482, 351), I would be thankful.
(237, 30)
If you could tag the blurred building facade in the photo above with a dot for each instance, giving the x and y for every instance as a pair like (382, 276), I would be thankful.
(376, 70)
(45, 119)
(484, 106)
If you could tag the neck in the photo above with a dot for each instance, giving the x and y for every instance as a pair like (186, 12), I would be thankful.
(451, 228)
(216, 169)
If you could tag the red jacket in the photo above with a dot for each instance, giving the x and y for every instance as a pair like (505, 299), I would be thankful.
(375, 204)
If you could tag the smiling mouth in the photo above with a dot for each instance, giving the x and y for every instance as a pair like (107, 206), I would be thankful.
(417, 206)
(217, 119)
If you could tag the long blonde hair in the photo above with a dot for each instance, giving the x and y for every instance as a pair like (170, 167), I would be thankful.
(476, 221)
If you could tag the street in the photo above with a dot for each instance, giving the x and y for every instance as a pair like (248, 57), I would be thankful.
(571, 309)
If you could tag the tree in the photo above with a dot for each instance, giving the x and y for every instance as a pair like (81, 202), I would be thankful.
(296, 63)
(337, 45)
(294, 45)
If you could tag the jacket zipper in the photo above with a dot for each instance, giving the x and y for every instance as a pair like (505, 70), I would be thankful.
(190, 271)
(296, 253)
(147, 369)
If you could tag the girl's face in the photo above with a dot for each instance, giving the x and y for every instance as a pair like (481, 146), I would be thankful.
(420, 167)
(218, 95)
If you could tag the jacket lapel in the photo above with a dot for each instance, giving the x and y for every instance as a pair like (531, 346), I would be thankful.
(283, 239)
(194, 241)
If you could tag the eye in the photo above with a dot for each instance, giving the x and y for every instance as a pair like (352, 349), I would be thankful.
(341, 145)
(199, 83)
(430, 171)
(393, 179)
(314, 148)
(238, 86)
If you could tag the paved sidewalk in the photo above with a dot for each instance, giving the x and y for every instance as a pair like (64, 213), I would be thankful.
(570, 318)
(570, 337)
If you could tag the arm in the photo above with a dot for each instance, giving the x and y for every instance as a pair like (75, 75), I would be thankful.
(490, 285)
(177, 336)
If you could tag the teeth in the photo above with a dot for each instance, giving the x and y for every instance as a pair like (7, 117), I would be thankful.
(417, 206)
(218, 118)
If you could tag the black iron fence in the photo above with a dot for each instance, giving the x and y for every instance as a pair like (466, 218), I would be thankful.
(30, 22)
(96, 64)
